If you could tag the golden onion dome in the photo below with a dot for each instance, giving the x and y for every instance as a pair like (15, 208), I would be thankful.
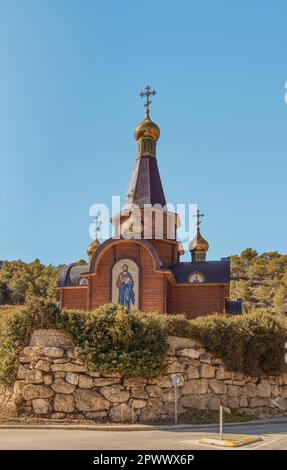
(92, 248)
(147, 128)
(198, 244)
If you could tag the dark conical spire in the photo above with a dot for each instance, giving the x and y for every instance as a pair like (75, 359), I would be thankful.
(145, 185)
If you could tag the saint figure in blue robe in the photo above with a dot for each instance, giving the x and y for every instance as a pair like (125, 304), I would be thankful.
(125, 284)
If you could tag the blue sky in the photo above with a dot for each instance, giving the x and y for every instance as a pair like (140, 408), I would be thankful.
(70, 75)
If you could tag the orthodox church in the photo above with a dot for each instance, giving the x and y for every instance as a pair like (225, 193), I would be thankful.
(140, 266)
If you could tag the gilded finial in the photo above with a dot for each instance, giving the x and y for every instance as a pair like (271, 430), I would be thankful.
(98, 223)
(92, 248)
(198, 246)
(147, 130)
(147, 93)
(198, 216)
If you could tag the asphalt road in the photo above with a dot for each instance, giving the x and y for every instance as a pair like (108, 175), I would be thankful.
(274, 437)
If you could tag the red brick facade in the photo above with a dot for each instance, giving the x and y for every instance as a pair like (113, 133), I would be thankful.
(158, 289)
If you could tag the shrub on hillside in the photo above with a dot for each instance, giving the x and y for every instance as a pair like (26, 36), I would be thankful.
(113, 339)
(250, 343)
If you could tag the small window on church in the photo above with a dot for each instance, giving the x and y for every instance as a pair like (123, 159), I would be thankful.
(144, 146)
(196, 277)
(151, 146)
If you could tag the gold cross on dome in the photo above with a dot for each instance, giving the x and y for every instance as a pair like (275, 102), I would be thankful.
(198, 216)
(147, 93)
(97, 223)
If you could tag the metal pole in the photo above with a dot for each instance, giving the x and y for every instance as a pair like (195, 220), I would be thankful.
(175, 403)
(221, 422)
(133, 413)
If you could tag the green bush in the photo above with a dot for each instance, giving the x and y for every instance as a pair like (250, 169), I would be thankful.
(112, 339)
(250, 343)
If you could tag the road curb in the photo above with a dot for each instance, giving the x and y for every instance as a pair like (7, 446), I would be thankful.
(134, 427)
(237, 442)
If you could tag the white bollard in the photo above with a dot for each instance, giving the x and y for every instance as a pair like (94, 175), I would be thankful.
(221, 422)
(175, 380)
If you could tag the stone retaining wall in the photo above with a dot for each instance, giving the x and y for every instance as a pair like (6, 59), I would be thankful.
(52, 382)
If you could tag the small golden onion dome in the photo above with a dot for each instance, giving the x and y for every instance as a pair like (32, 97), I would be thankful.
(147, 128)
(92, 248)
(198, 244)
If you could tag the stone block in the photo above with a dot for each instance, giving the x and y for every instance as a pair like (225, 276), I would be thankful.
(283, 391)
(163, 381)
(41, 406)
(139, 392)
(59, 375)
(251, 390)
(90, 400)
(94, 374)
(58, 415)
(222, 374)
(52, 351)
(22, 372)
(121, 413)
(68, 367)
(34, 376)
(60, 386)
(192, 372)
(195, 387)
(169, 395)
(105, 381)
(50, 337)
(280, 402)
(207, 371)
(198, 402)
(234, 402)
(45, 366)
(139, 403)
(213, 403)
(64, 403)
(96, 415)
(72, 378)
(33, 351)
(205, 357)
(264, 389)
(148, 414)
(235, 390)
(217, 387)
(30, 392)
(135, 382)
(258, 402)
(18, 387)
(275, 391)
(154, 391)
(85, 381)
(189, 352)
(174, 367)
(48, 379)
(115, 393)
(156, 403)
(176, 342)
